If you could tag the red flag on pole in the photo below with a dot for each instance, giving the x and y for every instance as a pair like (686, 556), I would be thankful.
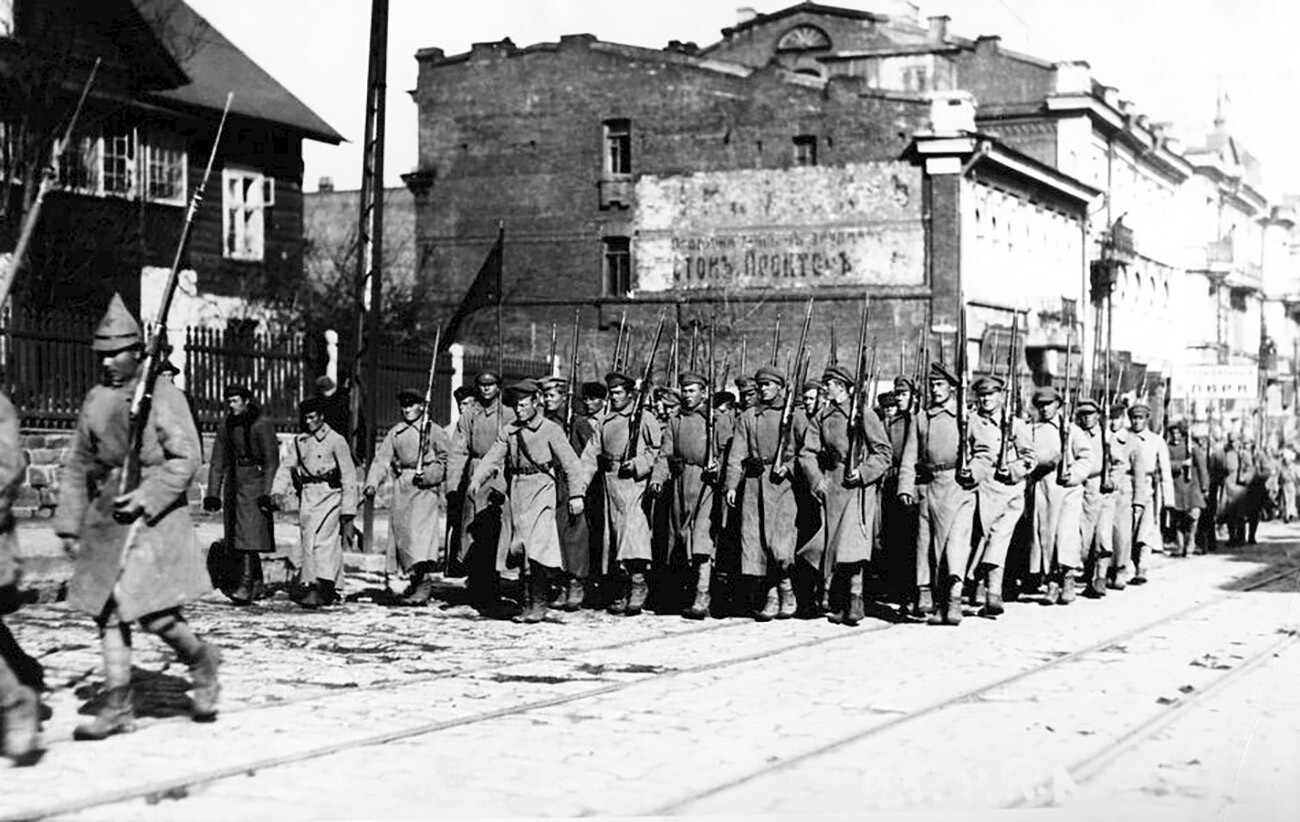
(484, 292)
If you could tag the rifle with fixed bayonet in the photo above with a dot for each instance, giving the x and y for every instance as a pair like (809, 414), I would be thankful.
(49, 179)
(618, 364)
(855, 401)
(570, 408)
(776, 340)
(643, 395)
(1066, 412)
(964, 475)
(550, 354)
(427, 422)
(1004, 424)
(787, 411)
(155, 354)
(709, 406)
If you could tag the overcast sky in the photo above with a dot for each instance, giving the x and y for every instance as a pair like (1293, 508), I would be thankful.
(1172, 57)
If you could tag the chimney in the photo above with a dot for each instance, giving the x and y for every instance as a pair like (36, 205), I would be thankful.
(939, 28)
(952, 112)
(1072, 77)
(326, 184)
(744, 14)
(1110, 96)
(987, 44)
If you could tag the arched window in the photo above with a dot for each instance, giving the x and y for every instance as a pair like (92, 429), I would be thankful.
(803, 38)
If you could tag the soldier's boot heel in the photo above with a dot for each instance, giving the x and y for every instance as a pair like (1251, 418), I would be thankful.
(538, 596)
(636, 599)
(1068, 593)
(207, 687)
(939, 608)
(993, 599)
(117, 716)
(619, 604)
(577, 592)
(560, 596)
(785, 597)
(21, 721)
(924, 601)
(243, 592)
(952, 614)
(313, 598)
(700, 606)
(420, 594)
(771, 608)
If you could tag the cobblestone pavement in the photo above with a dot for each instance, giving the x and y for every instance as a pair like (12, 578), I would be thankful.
(364, 711)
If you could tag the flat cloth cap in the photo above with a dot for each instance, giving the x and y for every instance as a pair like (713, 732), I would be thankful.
(837, 372)
(614, 380)
(769, 374)
(724, 398)
(1139, 409)
(1087, 407)
(117, 330)
(938, 372)
(693, 378)
(547, 383)
(525, 388)
(463, 392)
(311, 405)
(903, 383)
(744, 384)
(887, 399)
(988, 385)
(487, 378)
(669, 397)
(409, 396)
(237, 390)
(1046, 395)
(594, 391)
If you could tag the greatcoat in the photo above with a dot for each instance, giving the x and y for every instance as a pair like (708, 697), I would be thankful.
(319, 467)
(766, 506)
(529, 455)
(415, 514)
(575, 532)
(154, 563)
(245, 457)
(693, 504)
(485, 516)
(13, 466)
(627, 526)
(999, 505)
(1057, 528)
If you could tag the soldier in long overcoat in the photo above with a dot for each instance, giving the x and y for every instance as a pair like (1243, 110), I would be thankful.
(928, 477)
(811, 590)
(245, 457)
(575, 530)
(484, 518)
(1191, 474)
(136, 554)
(1098, 513)
(761, 484)
(902, 564)
(1056, 544)
(849, 492)
(413, 455)
(1000, 500)
(531, 452)
(1152, 486)
(21, 677)
(626, 550)
(690, 472)
(318, 468)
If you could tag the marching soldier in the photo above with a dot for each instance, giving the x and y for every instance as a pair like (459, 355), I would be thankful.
(903, 564)
(690, 472)
(1149, 467)
(415, 513)
(529, 452)
(1056, 549)
(483, 513)
(575, 533)
(928, 478)
(811, 586)
(1098, 512)
(747, 391)
(1000, 465)
(465, 396)
(594, 397)
(849, 494)
(136, 557)
(320, 471)
(767, 513)
(626, 551)
(245, 457)
(21, 677)
(1191, 485)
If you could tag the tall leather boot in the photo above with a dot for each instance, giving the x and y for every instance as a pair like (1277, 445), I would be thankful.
(19, 718)
(420, 591)
(940, 604)
(856, 612)
(259, 584)
(785, 596)
(700, 607)
(243, 592)
(924, 601)
(618, 585)
(203, 659)
(314, 598)
(637, 596)
(576, 594)
(838, 598)
(952, 615)
(993, 599)
(772, 603)
(1067, 586)
(117, 714)
(560, 593)
(539, 591)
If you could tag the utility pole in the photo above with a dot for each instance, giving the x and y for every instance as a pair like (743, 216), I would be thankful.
(370, 244)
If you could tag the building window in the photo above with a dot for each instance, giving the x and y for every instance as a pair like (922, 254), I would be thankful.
(79, 167)
(165, 169)
(618, 266)
(245, 196)
(805, 150)
(618, 147)
(118, 153)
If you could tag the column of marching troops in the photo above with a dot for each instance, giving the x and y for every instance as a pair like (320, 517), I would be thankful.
(599, 507)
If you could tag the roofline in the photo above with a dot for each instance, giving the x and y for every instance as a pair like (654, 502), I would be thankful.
(985, 147)
(157, 102)
(802, 8)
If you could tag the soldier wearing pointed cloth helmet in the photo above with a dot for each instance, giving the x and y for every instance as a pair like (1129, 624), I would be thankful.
(849, 494)
(319, 470)
(530, 452)
(136, 557)
(928, 478)
(1056, 497)
(415, 514)
(627, 550)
